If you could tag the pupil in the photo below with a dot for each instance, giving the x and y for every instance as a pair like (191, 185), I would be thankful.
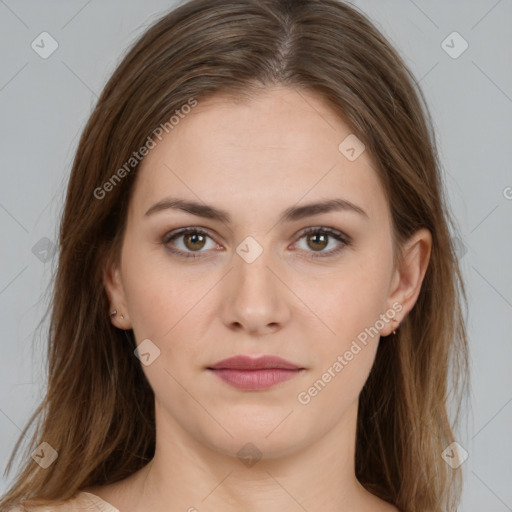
(194, 238)
(324, 243)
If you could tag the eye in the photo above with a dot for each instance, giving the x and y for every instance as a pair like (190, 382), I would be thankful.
(317, 238)
(187, 241)
(193, 241)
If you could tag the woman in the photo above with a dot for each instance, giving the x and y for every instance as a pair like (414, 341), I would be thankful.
(258, 303)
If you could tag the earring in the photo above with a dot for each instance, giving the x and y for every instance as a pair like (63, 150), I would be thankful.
(114, 313)
(397, 325)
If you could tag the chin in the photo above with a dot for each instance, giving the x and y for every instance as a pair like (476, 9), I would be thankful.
(254, 442)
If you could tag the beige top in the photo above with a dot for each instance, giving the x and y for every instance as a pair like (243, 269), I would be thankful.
(82, 501)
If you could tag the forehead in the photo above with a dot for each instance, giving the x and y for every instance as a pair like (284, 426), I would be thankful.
(278, 147)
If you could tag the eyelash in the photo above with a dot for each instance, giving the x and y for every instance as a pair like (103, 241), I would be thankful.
(337, 235)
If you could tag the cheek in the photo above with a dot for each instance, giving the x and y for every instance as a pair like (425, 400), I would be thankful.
(164, 306)
(351, 298)
(343, 358)
(170, 306)
(157, 295)
(350, 302)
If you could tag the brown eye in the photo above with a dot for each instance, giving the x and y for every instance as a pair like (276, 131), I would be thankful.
(189, 242)
(317, 241)
(194, 241)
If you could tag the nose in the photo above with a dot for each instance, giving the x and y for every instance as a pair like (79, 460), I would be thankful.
(255, 298)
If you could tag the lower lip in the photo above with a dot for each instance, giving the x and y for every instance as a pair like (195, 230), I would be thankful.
(253, 380)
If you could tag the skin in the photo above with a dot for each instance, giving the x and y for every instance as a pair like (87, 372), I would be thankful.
(254, 159)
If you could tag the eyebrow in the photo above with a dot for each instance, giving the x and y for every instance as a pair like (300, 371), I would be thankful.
(293, 213)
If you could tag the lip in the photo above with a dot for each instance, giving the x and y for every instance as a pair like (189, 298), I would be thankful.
(253, 374)
(254, 363)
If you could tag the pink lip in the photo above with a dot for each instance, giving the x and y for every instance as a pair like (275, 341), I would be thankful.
(254, 363)
(249, 373)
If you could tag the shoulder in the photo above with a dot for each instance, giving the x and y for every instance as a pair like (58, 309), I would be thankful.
(82, 501)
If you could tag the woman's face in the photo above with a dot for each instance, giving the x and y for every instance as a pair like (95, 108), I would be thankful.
(254, 283)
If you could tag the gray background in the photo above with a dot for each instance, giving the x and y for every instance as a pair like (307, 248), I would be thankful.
(44, 104)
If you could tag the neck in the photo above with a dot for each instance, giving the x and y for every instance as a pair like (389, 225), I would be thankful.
(187, 474)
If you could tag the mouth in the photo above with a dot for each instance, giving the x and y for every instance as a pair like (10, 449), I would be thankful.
(253, 374)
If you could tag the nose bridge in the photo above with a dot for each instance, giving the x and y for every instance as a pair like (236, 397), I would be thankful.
(257, 298)
(251, 272)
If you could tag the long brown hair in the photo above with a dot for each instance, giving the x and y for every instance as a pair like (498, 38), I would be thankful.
(98, 411)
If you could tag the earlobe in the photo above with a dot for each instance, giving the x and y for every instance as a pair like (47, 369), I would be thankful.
(118, 311)
(408, 278)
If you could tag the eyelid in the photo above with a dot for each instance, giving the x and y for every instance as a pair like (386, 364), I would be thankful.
(177, 233)
(340, 236)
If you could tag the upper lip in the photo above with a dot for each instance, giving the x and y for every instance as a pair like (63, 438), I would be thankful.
(251, 363)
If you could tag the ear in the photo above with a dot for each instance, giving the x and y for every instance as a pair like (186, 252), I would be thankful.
(112, 280)
(408, 277)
